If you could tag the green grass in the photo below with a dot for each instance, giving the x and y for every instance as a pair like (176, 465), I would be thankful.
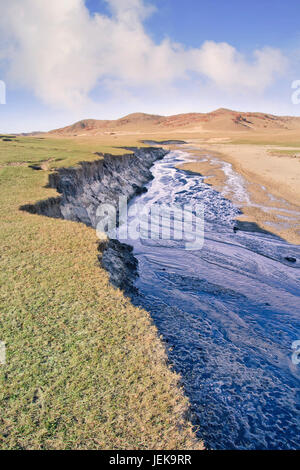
(85, 369)
(58, 152)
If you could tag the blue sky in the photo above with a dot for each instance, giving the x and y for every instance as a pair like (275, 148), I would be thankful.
(245, 25)
(67, 60)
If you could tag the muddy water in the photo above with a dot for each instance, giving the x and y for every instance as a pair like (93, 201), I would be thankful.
(228, 313)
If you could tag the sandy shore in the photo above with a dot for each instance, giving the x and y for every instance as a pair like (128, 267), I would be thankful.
(268, 181)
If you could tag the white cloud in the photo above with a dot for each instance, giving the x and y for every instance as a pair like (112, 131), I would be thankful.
(61, 52)
(228, 69)
(131, 12)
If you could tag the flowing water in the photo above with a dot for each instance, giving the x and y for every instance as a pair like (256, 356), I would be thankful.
(228, 313)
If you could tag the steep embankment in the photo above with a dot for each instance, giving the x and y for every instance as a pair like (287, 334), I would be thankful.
(84, 188)
(85, 369)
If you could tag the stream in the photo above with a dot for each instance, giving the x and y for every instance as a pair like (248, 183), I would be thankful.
(228, 313)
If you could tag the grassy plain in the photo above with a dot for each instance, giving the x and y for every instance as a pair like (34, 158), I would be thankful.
(85, 369)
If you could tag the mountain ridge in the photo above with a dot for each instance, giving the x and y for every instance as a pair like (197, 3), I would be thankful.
(219, 119)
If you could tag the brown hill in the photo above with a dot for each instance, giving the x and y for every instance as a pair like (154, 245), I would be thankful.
(221, 119)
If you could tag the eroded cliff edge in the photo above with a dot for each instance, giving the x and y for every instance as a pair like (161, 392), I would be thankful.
(84, 188)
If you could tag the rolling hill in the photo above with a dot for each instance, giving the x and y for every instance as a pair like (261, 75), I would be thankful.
(221, 119)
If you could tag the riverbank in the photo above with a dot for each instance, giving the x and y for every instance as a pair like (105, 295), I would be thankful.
(85, 369)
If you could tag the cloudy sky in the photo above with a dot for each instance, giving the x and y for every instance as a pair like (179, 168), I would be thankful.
(67, 60)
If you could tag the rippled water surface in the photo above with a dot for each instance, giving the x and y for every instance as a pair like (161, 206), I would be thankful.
(228, 313)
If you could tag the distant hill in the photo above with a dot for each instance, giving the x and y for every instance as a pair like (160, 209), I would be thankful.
(221, 119)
